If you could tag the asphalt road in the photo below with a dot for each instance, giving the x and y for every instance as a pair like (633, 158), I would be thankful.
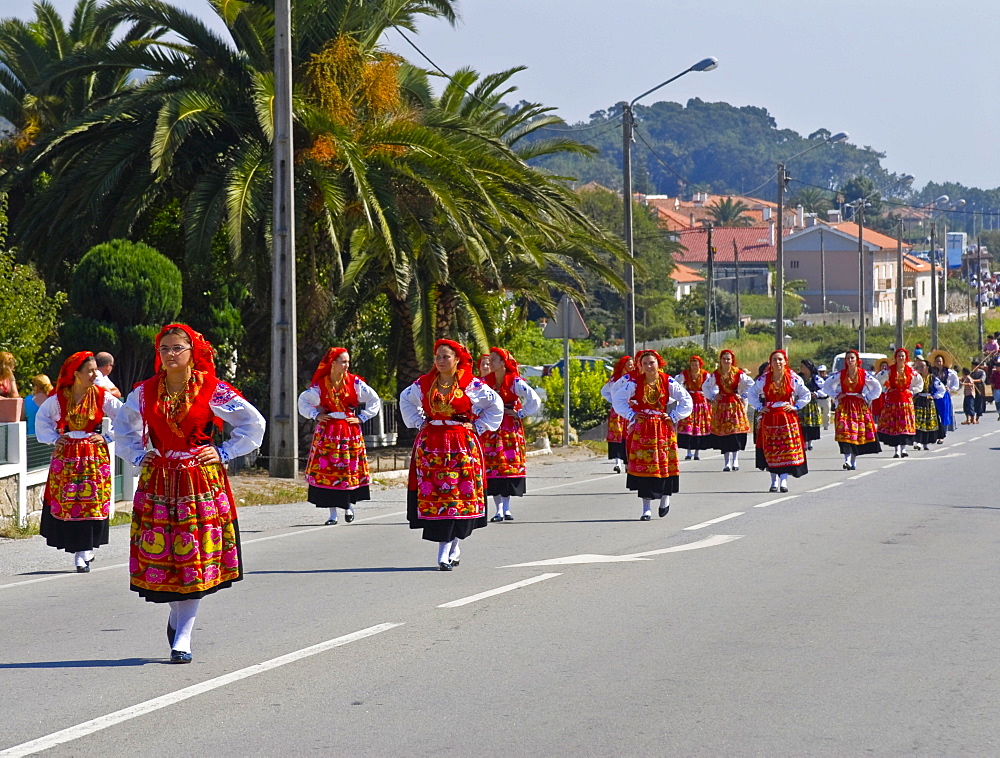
(855, 619)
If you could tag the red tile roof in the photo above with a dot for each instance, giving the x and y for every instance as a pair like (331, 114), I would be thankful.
(754, 245)
(682, 273)
(913, 263)
(870, 235)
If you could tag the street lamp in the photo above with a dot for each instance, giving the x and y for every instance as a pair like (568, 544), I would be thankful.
(628, 123)
(779, 243)
(930, 207)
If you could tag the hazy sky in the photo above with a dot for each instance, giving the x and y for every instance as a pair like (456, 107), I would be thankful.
(915, 79)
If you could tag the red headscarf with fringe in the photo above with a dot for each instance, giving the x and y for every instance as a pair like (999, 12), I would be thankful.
(463, 376)
(639, 378)
(845, 382)
(511, 372)
(348, 395)
(619, 370)
(733, 377)
(699, 380)
(87, 415)
(907, 369)
(769, 379)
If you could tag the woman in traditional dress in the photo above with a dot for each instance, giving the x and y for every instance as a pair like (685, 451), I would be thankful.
(926, 419)
(77, 501)
(896, 424)
(504, 449)
(694, 433)
(446, 492)
(185, 540)
(853, 389)
(777, 395)
(810, 417)
(652, 403)
(726, 389)
(949, 378)
(340, 402)
(616, 424)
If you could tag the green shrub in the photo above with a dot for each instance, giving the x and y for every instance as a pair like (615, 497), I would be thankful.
(587, 408)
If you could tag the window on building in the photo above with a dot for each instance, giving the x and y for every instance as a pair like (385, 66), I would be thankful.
(793, 264)
(923, 288)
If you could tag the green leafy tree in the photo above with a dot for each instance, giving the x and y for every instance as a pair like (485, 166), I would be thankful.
(122, 293)
(812, 200)
(862, 188)
(587, 408)
(729, 212)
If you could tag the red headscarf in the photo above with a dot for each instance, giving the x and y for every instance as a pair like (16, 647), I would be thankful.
(907, 370)
(619, 371)
(861, 373)
(202, 352)
(463, 373)
(689, 377)
(639, 377)
(70, 366)
(349, 396)
(736, 371)
(511, 372)
(769, 379)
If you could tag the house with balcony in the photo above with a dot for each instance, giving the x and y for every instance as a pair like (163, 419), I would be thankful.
(826, 256)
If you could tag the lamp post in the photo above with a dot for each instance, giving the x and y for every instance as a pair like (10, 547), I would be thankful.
(628, 124)
(779, 243)
(930, 207)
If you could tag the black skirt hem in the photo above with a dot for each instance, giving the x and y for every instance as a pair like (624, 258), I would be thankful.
(442, 530)
(616, 450)
(896, 439)
(811, 433)
(325, 497)
(73, 536)
(694, 441)
(157, 596)
(730, 443)
(653, 487)
(926, 438)
(793, 471)
(506, 486)
(869, 448)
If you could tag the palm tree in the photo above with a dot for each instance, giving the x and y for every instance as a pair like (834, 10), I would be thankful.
(812, 200)
(728, 212)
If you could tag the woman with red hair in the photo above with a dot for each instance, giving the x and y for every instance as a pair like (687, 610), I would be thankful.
(504, 449)
(185, 539)
(340, 402)
(616, 424)
(446, 491)
(725, 389)
(896, 422)
(777, 395)
(77, 501)
(652, 403)
(853, 389)
(694, 433)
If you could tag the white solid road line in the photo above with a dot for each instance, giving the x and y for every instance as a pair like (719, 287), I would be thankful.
(140, 709)
(956, 444)
(497, 591)
(863, 473)
(703, 524)
(573, 484)
(775, 502)
(894, 463)
(828, 486)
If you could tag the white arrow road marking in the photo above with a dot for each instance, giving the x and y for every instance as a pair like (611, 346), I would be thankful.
(703, 524)
(775, 502)
(716, 539)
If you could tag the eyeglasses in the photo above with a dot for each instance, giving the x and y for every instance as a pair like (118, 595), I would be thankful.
(172, 349)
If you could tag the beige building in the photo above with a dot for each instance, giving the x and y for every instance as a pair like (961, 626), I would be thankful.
(826, 257)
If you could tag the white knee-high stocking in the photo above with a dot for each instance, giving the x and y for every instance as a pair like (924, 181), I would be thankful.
(444, 552)
(645, 507)
(182, 615)
(456, 550)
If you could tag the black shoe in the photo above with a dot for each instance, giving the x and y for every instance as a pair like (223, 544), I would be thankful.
(85, 569)
(497, 519)
(645, 517)
(773, 489)
(455, 562)
(330, 522)
(349, 516)
(940, 442)
(508, 517)
(809, 446)
(783, 488)
(847, 467)
(726, 468)
(854, 467)
(895, 455)
(905, 454)
(736, 468)
(697, 457)
(664, 510)
(618, 469)
(176, 656)
(444, 567)
(171, 633)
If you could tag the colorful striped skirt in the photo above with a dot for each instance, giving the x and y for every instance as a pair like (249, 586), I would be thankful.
(337, 469)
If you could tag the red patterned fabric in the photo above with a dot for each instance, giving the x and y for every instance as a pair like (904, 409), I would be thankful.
(897, 416)
(504, 450)
(338, 458)
(78, 487)
(779, 433)
(651, 440)
(699, 423)
(729, 413)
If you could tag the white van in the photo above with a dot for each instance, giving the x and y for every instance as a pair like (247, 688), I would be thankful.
(868, 361)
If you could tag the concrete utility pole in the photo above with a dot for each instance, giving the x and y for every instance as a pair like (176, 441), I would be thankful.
(862, 306)
(739, 313)
(934, 291)
(709, 291)
(283, 426)
(627, 197)
(899, 288)
(822, 271)
(779, 265)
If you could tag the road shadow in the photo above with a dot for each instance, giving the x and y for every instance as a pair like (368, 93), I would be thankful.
(358, 570)
(95, 663)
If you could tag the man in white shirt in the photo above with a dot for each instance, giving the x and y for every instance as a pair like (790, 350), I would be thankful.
(105, 363)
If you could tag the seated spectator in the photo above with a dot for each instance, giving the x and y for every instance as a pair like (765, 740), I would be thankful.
(40, 389)
(105, 363)
(8, 384)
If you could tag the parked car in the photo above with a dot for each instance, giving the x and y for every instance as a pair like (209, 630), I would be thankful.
(868, 361)
(581, 361)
